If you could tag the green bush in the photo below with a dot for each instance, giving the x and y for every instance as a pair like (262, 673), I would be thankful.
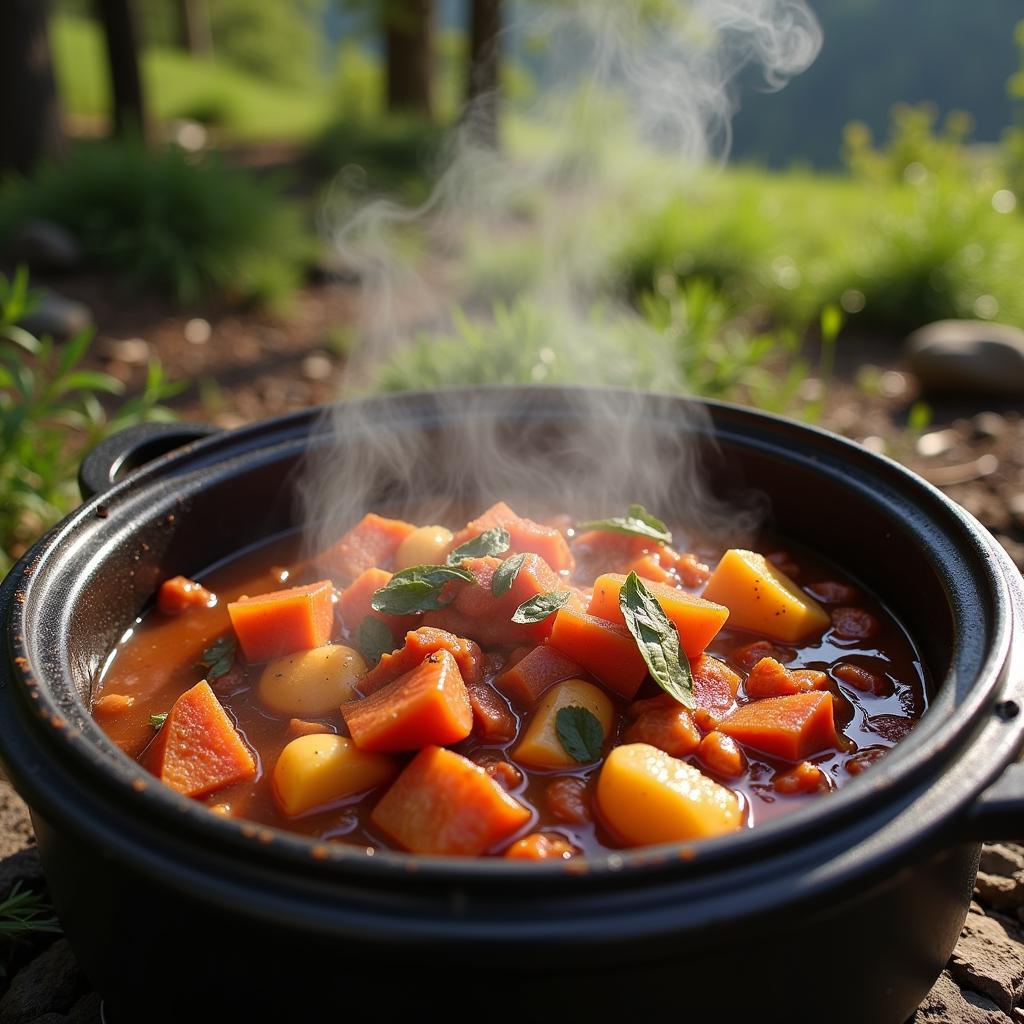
(193, 228)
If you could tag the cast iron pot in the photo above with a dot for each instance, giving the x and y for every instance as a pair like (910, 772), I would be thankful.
(846, 911)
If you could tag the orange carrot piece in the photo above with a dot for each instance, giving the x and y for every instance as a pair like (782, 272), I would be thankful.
(770, 678)
(566, 800)
(804, 778)
(354, 604)
(714, 684)
(425, 706)
(418, 644)
(372, 541)
(671, 729)
(721, 756)
(492, 719)
(529, 677)
(179, 594)
(863, 679)
(279, 623)
(537, 846)
(648, 567)
(793, 727)
(698, 621)
(606, 650)
(198, 750)
(524, 536)
(444, 804)
(112, 705)
(300, 727)
(692, 572)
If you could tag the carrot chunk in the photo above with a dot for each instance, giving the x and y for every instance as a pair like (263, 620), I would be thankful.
(770, 678)
(354, 604)
(698, 621)
(198, 750)
(112, 705)
(372, 541)
(418, 644)
(606, 650)
(714, 684)
(492, 719)
(566, 800)
(670, 729)
(722, 756)
(537, 846)
(804, 778)
(425, 706)
(529, 677)
(444, 804)
(650, 568)
(792, 727)
(303, 727)
(272, 625)
(525, 536)
(179, 594)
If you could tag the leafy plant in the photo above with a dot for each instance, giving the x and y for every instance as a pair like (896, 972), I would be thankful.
(25, 912)
(50, 413)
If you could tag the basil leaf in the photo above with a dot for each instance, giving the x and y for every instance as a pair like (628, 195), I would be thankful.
(540, 607)
(658, 641)
(637, 522)
(580, 733)
(374, 640)
(218, 658)
(506, 573)
(417, 589)
(490, 542)
(158, 720)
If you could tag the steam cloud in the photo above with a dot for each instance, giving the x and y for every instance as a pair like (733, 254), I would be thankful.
(664, 74)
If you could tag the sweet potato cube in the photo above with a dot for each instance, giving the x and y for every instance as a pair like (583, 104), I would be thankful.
(646, 796)
(198, 750)
(763, 599)
(793, 727)
(540, 746)
(272, 625)
(605, 649)
(524, 536)
(354, 604)
(697, 620)
(425, 706)
(529, 677)
(444, 804)
(714, 684)
(372, 541)
(418, 644)
(316, 770)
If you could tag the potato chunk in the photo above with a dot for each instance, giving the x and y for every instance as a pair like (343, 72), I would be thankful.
(312, 682)
(540, 746)
(313, 771)
(646, 796)
(426, 545)
(764, 599)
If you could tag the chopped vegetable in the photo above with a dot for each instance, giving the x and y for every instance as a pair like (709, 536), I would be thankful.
(604, 649)
(525, 536)
(804, 778)
(493, 722)
(112, 705)
(537, 846)
(354, 604)
(312, 682)
(271, 625)
(179, 594)
(529, 677)
(792, 727)
(770, 678)
(418, 644)
(545, 745)
(373, 541)
(671, 729)
(491, 542)
(721, 756)
(301, 727)
(417, 589)
(714, 684)
(424, 546)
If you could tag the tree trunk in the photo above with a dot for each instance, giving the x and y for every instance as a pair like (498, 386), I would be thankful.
(482, 85)
(194, 16)
(30, 126)
(123, 59)
(409, 45)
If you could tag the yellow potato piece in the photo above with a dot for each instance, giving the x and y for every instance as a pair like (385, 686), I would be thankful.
(426, 546)
(646, 797)
(311, 683)
(313, 771)
(764, 600)
(540, 746)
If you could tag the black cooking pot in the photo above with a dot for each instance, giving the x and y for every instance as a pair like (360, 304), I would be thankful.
(845, 911)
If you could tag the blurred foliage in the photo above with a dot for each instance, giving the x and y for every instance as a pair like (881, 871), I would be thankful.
(190, 227)
(50, 413)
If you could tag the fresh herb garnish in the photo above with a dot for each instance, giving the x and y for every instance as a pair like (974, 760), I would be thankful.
(490, 542)
(506, 573)
(374, 640)
(219, 657)
(580, 733)
(158, 720)
(637, 522)
(540, 607)
(657, 640)
(417, 589)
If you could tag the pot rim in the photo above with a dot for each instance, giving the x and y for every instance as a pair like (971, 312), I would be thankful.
(924, 753)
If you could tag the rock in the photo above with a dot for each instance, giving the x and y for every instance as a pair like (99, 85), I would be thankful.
(1001, 858)
(46, 246)
(86, 1010)
(15, 823)
(58, 317)
(946, 1004)
(49, 984)
(988, 961)
(1000, 892)
(968, 357)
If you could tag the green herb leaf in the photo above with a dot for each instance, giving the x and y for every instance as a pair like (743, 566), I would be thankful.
(158, 720)
(374, 640)
(637, 522)
(506, 573)
(540, 607)
(219, 657)
(417, 589)
(657, 640)
(490, 542)
(580, 733)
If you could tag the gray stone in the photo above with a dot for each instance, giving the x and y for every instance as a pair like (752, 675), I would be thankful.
(58, 317)
(988, 961)
(968, 357)
(49, 984)
(946, 1004)
(44, 245)
(1000, 892)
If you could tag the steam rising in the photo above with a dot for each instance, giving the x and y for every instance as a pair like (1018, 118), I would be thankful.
(617, 74)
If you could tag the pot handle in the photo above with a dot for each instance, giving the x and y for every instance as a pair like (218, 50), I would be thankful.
(999, 812)
(130, 448)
